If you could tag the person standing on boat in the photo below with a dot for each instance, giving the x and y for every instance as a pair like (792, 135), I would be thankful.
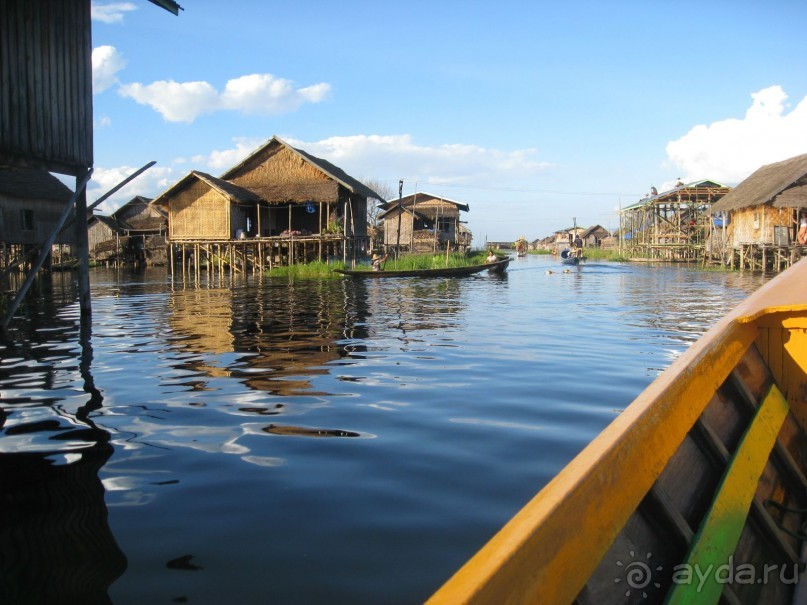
(578, 244)
(378, 260)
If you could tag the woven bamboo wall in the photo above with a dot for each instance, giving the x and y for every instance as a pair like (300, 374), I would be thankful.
(391, 229)
(199, 213)
(283, 176)
(756, 224)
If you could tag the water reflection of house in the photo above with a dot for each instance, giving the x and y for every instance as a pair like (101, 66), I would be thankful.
(133, 234)
(31, 202)
(423, 222)
(280, 204)
(758, 221)
(291, 336)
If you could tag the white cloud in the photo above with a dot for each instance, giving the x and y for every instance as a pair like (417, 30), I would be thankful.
(110, 13)
(218, 161)
(265, 94)
(373, 156)
(252, 94)
(106, 63)
(175, 101)
(153, 181)
(728, 151)
(385, 158)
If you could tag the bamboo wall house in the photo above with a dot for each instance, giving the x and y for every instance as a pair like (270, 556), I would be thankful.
(422, 222)
(280, 205)
(135, 234)
(673, 225)
(760, 217)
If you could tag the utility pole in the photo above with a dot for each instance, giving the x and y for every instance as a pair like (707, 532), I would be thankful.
(400, 212)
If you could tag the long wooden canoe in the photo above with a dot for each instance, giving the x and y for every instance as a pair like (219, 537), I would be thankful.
(696, 493)
(497, 267)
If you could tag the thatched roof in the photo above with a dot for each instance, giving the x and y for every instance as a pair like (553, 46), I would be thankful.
(32, 184)
(334, 172)
(234, 193)
(782, 183)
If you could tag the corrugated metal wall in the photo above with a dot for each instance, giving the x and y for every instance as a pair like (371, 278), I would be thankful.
(46, 85)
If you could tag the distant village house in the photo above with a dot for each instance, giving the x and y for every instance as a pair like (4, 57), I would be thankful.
(422, 222)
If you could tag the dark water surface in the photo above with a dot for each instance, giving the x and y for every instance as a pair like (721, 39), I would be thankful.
(321, 441)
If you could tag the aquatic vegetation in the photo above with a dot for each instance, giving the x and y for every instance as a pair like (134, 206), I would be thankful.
(318, 269)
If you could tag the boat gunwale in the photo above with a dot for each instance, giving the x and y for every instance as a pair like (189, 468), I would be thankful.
(566, 528)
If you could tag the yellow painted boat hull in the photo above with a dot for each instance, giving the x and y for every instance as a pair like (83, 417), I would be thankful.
(703, 474)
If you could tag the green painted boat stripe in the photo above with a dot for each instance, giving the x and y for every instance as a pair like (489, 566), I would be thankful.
(697, 580)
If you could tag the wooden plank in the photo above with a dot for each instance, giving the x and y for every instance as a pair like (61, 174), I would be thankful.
(720, 531)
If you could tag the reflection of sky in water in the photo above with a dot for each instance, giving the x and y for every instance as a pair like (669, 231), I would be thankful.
(357, 412)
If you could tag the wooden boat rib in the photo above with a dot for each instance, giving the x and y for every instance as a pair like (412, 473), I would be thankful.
(699, 484)
(497, 267)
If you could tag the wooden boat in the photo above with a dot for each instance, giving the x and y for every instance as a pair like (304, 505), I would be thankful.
(498, 266)
(696, 493)
(569, 257)
(522, 245)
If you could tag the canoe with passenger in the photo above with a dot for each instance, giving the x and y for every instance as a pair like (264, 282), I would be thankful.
(695, 493)
(498, 266)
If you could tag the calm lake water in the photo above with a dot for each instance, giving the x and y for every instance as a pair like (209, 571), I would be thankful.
(321, 441)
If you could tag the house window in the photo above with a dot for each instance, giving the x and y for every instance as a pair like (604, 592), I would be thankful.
(27, 219)
(444, 224)
(756, 220)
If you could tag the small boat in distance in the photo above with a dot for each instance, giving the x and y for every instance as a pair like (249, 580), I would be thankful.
(521, 246)
(570, 257)
(695, 493)
(496, 267)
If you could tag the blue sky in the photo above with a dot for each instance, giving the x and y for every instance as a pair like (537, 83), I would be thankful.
(533, 113)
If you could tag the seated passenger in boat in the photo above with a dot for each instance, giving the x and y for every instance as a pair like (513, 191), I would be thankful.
(491, 258)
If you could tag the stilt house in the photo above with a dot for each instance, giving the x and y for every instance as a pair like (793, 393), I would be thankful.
(422, 222)
(133, 234)
(280, 203)
(672, 225)
(759, 219)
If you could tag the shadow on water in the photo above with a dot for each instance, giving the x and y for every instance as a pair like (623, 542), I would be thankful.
(56, 545)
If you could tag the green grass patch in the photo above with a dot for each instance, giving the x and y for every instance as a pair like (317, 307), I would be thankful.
(600, 254)
(318, 269)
